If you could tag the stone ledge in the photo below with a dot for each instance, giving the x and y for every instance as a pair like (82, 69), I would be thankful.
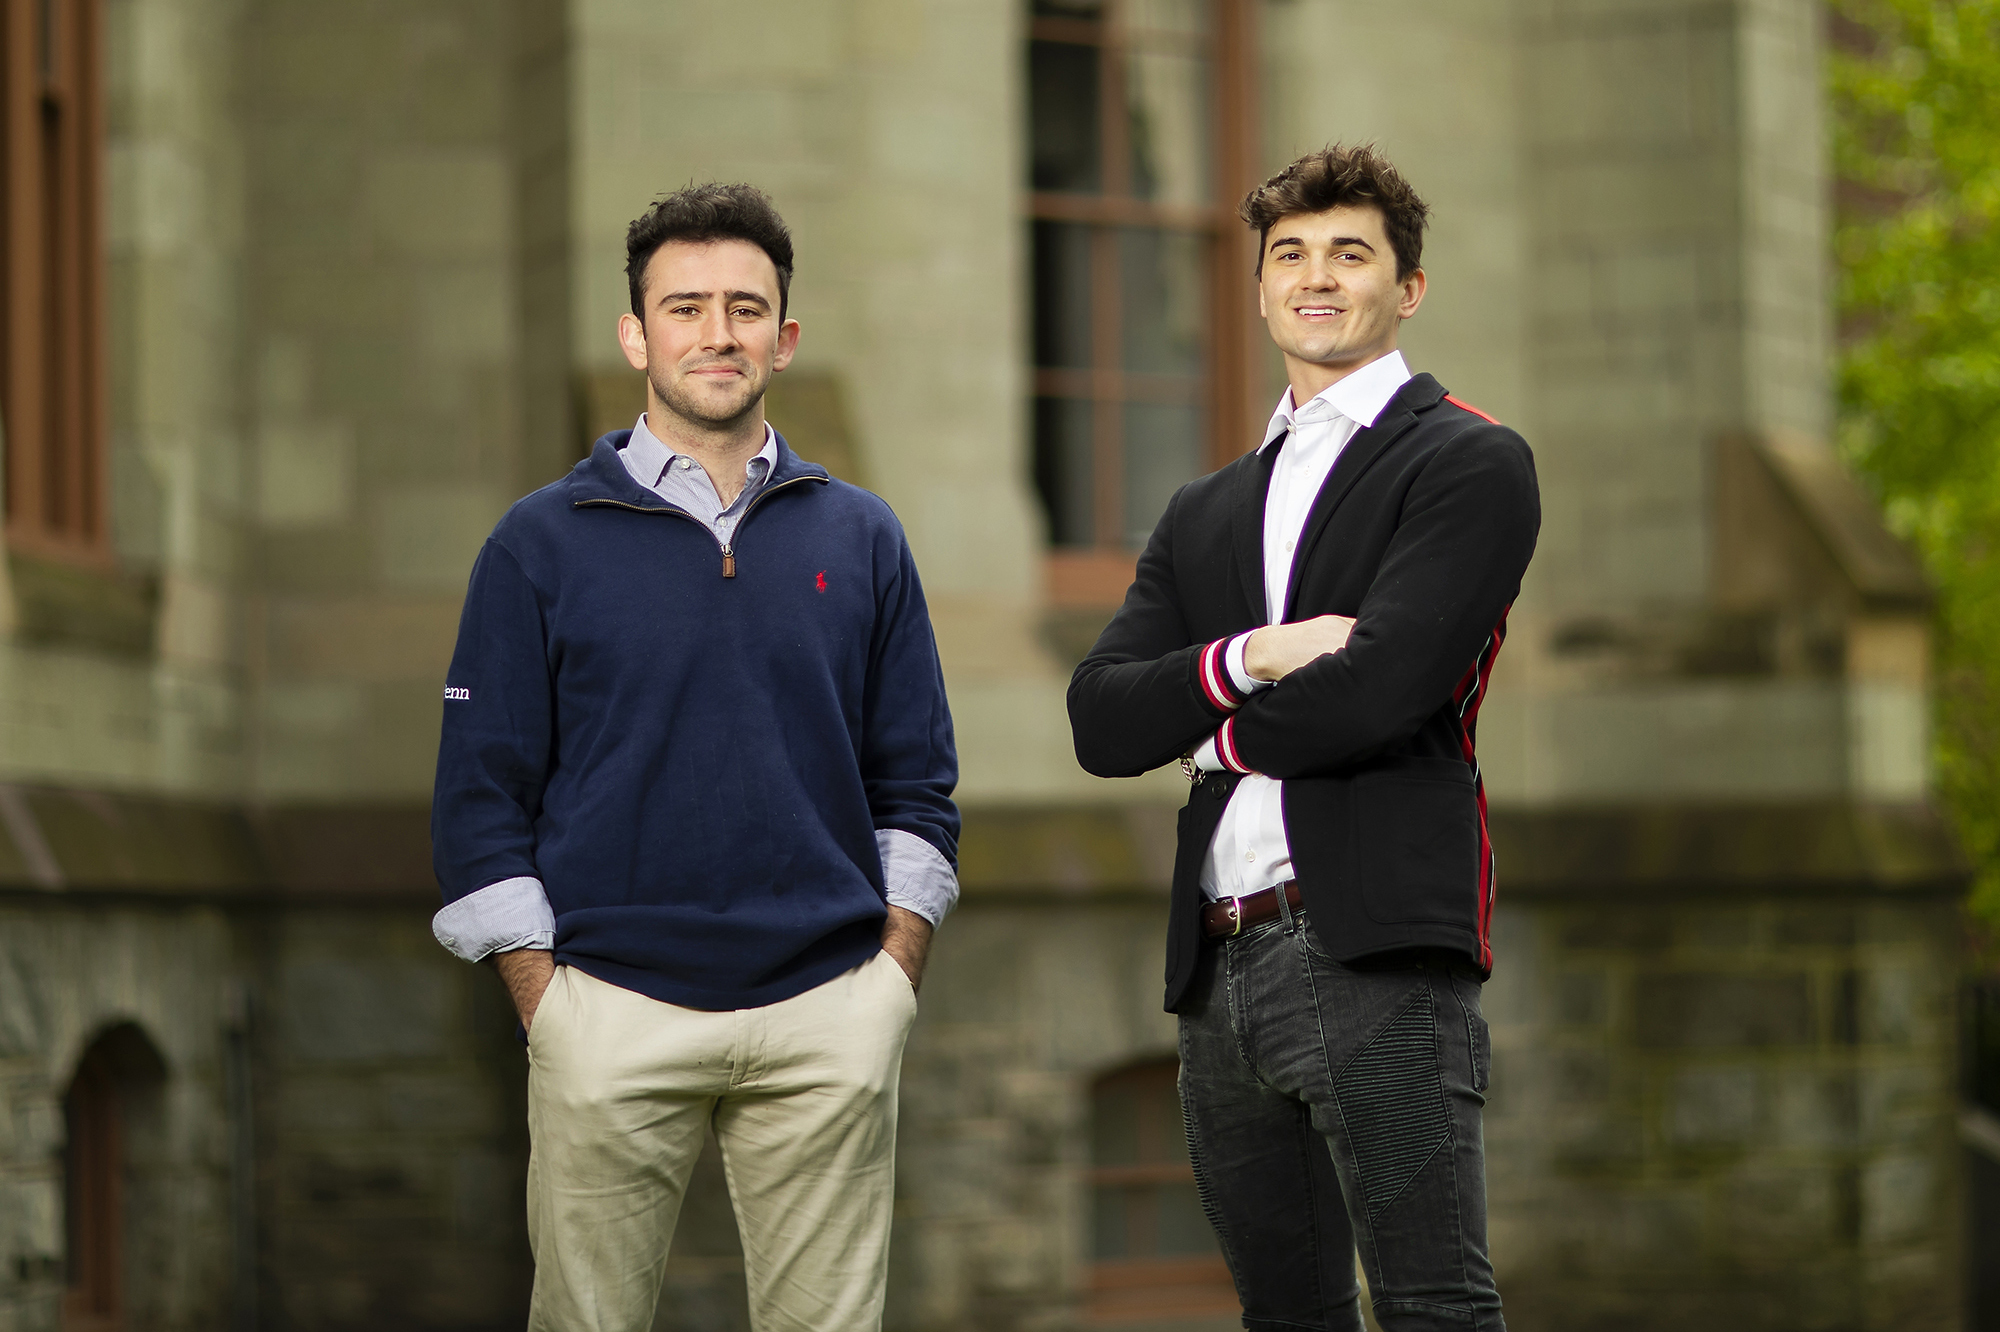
(1831, 849)
(57, 841)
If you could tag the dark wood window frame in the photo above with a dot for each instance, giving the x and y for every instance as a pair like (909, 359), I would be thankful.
(1097, 575)
(53, 399)
(1146, 1282)
(94, 1173)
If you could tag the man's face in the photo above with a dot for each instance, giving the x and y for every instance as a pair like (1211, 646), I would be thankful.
(1329, 290)
(712, 338)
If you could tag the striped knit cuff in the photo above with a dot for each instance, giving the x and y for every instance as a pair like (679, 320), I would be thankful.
(1216, 685)
(1225, 748)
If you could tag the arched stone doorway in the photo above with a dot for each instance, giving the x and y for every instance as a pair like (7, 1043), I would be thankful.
(111, 1111)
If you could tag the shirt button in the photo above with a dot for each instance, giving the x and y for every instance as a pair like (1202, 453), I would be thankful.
(1290, 544)
(686, 463)
(1250, 856)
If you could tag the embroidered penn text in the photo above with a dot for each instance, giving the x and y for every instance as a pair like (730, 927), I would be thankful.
(452, 692)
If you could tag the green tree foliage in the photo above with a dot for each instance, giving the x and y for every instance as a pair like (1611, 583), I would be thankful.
(1916, 132)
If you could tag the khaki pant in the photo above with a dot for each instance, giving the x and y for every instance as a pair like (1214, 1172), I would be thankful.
(802, 1094)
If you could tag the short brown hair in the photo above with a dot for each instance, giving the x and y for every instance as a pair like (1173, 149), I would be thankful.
(703, 213)
(1336, 177)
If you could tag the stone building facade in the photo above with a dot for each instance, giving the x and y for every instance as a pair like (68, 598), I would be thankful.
(362, 264)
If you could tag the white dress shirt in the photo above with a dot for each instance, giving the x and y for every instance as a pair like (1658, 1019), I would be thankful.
(1250, 851)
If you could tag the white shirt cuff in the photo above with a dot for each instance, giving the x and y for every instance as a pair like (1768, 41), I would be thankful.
(918, 878)
(499, 918)
(1206, 759)
(1232, 658)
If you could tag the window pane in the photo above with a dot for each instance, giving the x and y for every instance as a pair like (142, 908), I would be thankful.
(1182, 1227)
(1162, 453)
(1060, 262)
(1063, 469)
(1114, 1127)
(1166, 107)
(1166, 305)
(1062, 101)
(1112, 1234)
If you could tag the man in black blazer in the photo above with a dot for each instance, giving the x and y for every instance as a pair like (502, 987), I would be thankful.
(1310, 634)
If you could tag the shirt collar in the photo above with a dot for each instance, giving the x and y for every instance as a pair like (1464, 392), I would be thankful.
(1359, 396)
(649, 459)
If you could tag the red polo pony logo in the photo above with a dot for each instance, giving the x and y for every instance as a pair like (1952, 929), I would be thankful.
(819, 581)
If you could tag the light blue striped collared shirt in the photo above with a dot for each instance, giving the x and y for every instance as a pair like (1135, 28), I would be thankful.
(682, 481)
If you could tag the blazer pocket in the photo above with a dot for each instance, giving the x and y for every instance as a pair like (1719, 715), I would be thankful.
(1415, 834)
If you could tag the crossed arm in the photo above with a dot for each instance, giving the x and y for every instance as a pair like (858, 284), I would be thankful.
(1348, 690)
(1275, 651)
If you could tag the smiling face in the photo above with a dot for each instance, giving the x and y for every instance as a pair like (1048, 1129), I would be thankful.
(712, 337)
(1330, 295)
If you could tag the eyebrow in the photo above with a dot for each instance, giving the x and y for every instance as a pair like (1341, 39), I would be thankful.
(1337, 240)
(704, 295)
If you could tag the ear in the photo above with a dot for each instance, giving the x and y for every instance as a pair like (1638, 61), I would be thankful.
(788, 343)
(632, 340)
(1413, 294)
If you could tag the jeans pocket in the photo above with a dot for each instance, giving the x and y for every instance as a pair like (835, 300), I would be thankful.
(1309, 941)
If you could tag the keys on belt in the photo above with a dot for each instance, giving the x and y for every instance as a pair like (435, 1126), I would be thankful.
(1233, 915)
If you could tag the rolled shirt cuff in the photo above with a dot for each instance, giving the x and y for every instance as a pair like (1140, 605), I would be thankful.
(917, 875)
(1232, 659)
(1205, 758)
(499, 918)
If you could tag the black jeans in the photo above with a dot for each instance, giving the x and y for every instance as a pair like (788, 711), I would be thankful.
(1330, 1109)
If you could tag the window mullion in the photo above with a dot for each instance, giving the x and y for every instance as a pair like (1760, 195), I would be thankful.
(1107, 391)
(25, 347)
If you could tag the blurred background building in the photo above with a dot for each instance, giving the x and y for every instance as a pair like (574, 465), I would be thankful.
(298, 297)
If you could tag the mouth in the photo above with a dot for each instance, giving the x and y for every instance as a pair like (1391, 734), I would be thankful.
(1318, 311)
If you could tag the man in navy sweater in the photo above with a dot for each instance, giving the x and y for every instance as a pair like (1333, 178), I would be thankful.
(694, 802)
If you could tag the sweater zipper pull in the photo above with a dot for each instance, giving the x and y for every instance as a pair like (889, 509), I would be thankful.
(728, 562)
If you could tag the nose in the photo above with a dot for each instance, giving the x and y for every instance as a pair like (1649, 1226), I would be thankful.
(717, 333)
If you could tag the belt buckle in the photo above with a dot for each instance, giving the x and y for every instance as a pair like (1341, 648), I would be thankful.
(1235, 917)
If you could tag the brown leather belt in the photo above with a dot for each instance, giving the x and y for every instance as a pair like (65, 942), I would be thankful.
(1233, 915)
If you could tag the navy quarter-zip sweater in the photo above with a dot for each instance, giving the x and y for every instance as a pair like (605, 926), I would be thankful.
(693, 748)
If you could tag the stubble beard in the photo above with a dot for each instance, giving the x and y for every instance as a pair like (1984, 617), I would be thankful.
(675, 397)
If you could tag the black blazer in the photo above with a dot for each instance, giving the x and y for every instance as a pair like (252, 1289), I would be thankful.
(1421, 532)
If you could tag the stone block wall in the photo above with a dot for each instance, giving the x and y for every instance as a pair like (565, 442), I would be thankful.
(377, 1180)
(1732, 1112)
(133, 677)
(1017, 1018)
(392, 1126)
(66, 977)
(384, 302)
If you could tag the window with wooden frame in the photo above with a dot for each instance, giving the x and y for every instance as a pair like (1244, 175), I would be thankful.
(1139, 140)
(1153, 1253)
(52, 394)
(94, 1176)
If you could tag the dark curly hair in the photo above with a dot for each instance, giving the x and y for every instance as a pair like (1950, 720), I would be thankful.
(702, 213)
(1335, 177)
